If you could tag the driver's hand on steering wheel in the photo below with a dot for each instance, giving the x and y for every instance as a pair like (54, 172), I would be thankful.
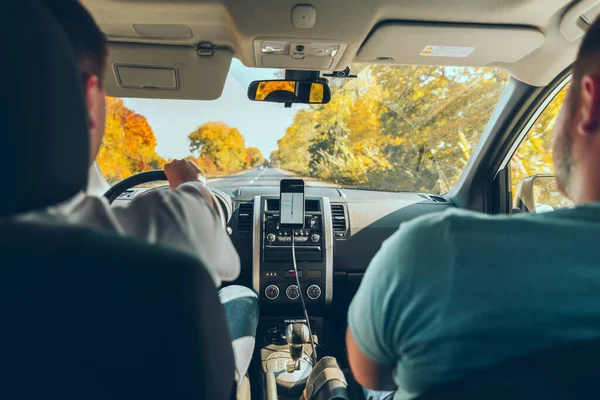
(181, 171)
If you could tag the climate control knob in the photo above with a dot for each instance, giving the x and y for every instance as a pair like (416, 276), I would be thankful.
(272, 292)
(292, 292)
(271, 237)
(315, 238)
(313, 292)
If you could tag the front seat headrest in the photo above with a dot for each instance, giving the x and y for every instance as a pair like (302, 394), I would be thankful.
(44, 152)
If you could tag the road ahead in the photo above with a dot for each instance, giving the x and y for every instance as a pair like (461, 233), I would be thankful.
(260, 177)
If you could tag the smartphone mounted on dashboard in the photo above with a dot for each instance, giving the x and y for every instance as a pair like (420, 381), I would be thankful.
(291, 203)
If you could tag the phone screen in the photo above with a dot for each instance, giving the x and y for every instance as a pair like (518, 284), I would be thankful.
(291, 203)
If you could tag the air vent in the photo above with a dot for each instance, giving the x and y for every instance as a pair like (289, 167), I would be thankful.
(434, 198)
(438, 199)
(245, 217)
(128, 194)
(338, 215)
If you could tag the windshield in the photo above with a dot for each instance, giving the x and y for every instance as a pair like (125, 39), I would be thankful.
(394, 128)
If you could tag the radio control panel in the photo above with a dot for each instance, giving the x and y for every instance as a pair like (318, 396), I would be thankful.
(273, 273)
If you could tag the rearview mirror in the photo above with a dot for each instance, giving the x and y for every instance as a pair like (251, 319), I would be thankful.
(539, 193)
(290, 92)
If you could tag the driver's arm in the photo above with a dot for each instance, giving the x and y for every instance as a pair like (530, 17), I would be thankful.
(183, 218)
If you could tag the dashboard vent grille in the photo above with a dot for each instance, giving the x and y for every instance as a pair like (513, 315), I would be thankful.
(245, 216)
(338, 215)
(434, 198)
(128, 194)
(438, 199)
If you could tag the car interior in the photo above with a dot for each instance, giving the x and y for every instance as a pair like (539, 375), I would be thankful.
(185, 50)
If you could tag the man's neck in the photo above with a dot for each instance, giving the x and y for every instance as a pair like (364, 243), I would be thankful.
(586, 189)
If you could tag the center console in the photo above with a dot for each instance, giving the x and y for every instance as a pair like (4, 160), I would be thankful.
(287, 358)
(273, 275)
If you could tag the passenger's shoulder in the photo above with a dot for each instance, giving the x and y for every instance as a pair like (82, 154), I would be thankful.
(442, 221)
(435, 230)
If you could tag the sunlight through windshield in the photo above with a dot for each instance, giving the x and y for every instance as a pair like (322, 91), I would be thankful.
(394, 128)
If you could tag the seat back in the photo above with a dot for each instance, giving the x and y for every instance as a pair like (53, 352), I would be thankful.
(85, 314)
(566, 372)
(89, 315)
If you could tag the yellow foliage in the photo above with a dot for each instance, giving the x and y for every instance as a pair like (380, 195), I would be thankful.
(222, 148)
(129, 146)
(317, 91)
(268, 87)
(129, 143)
(534, 155)
(399, 128)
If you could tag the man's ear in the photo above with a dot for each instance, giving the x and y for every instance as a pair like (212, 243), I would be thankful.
(589, 105)
(92, 90)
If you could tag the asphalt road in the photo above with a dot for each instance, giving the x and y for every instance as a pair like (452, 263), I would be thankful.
(261, 177)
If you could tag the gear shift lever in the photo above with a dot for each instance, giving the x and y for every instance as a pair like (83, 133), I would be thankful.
(296, 336)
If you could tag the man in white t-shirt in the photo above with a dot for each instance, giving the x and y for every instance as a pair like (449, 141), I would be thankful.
(182, 218)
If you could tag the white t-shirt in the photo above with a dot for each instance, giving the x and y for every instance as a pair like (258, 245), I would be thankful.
(179, 219)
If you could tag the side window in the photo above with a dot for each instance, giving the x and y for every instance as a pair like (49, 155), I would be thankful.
(534, 157)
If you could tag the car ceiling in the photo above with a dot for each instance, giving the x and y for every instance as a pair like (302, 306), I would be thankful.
(235, 25)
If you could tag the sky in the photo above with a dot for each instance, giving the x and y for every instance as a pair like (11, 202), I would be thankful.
(261, 124)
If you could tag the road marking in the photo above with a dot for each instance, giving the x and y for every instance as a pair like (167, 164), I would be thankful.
(258, 177)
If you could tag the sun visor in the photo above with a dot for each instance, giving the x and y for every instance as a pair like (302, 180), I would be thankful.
(448, 44)
(579, 18)
(166, 72)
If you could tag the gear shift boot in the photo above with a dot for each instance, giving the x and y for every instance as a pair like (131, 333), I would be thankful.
(289, 383)
(292, 367)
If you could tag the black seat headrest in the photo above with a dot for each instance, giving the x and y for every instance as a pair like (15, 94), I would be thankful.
(44, 152)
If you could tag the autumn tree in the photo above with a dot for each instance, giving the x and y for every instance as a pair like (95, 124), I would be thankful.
(129, 144)
(267, 87)
(219, 144)
(254, 157)
(534, 155)
(401, 128)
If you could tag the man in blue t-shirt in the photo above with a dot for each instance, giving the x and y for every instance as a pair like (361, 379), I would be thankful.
(455, 292)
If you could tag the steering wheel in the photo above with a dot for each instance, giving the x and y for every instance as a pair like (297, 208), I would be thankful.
(218, 197)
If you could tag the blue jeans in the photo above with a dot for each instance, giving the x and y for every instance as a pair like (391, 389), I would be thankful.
(241, 312)
(376, 395)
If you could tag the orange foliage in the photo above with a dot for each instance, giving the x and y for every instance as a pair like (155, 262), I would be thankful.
(206, 164)
(317, 91)
(268, 87)
(129, 143)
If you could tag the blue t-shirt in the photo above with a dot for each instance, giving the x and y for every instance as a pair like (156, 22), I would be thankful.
(454, 292)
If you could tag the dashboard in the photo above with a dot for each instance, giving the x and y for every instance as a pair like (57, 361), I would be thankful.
(344, 229)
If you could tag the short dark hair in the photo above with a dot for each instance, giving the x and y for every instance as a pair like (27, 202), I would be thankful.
(86, 38)
(589, 52)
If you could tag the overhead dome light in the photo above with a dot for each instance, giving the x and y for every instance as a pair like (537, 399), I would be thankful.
(323, 50)
(282, 48)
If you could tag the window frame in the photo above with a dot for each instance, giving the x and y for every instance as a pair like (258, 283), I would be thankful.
(483, 187)
(532, 120)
